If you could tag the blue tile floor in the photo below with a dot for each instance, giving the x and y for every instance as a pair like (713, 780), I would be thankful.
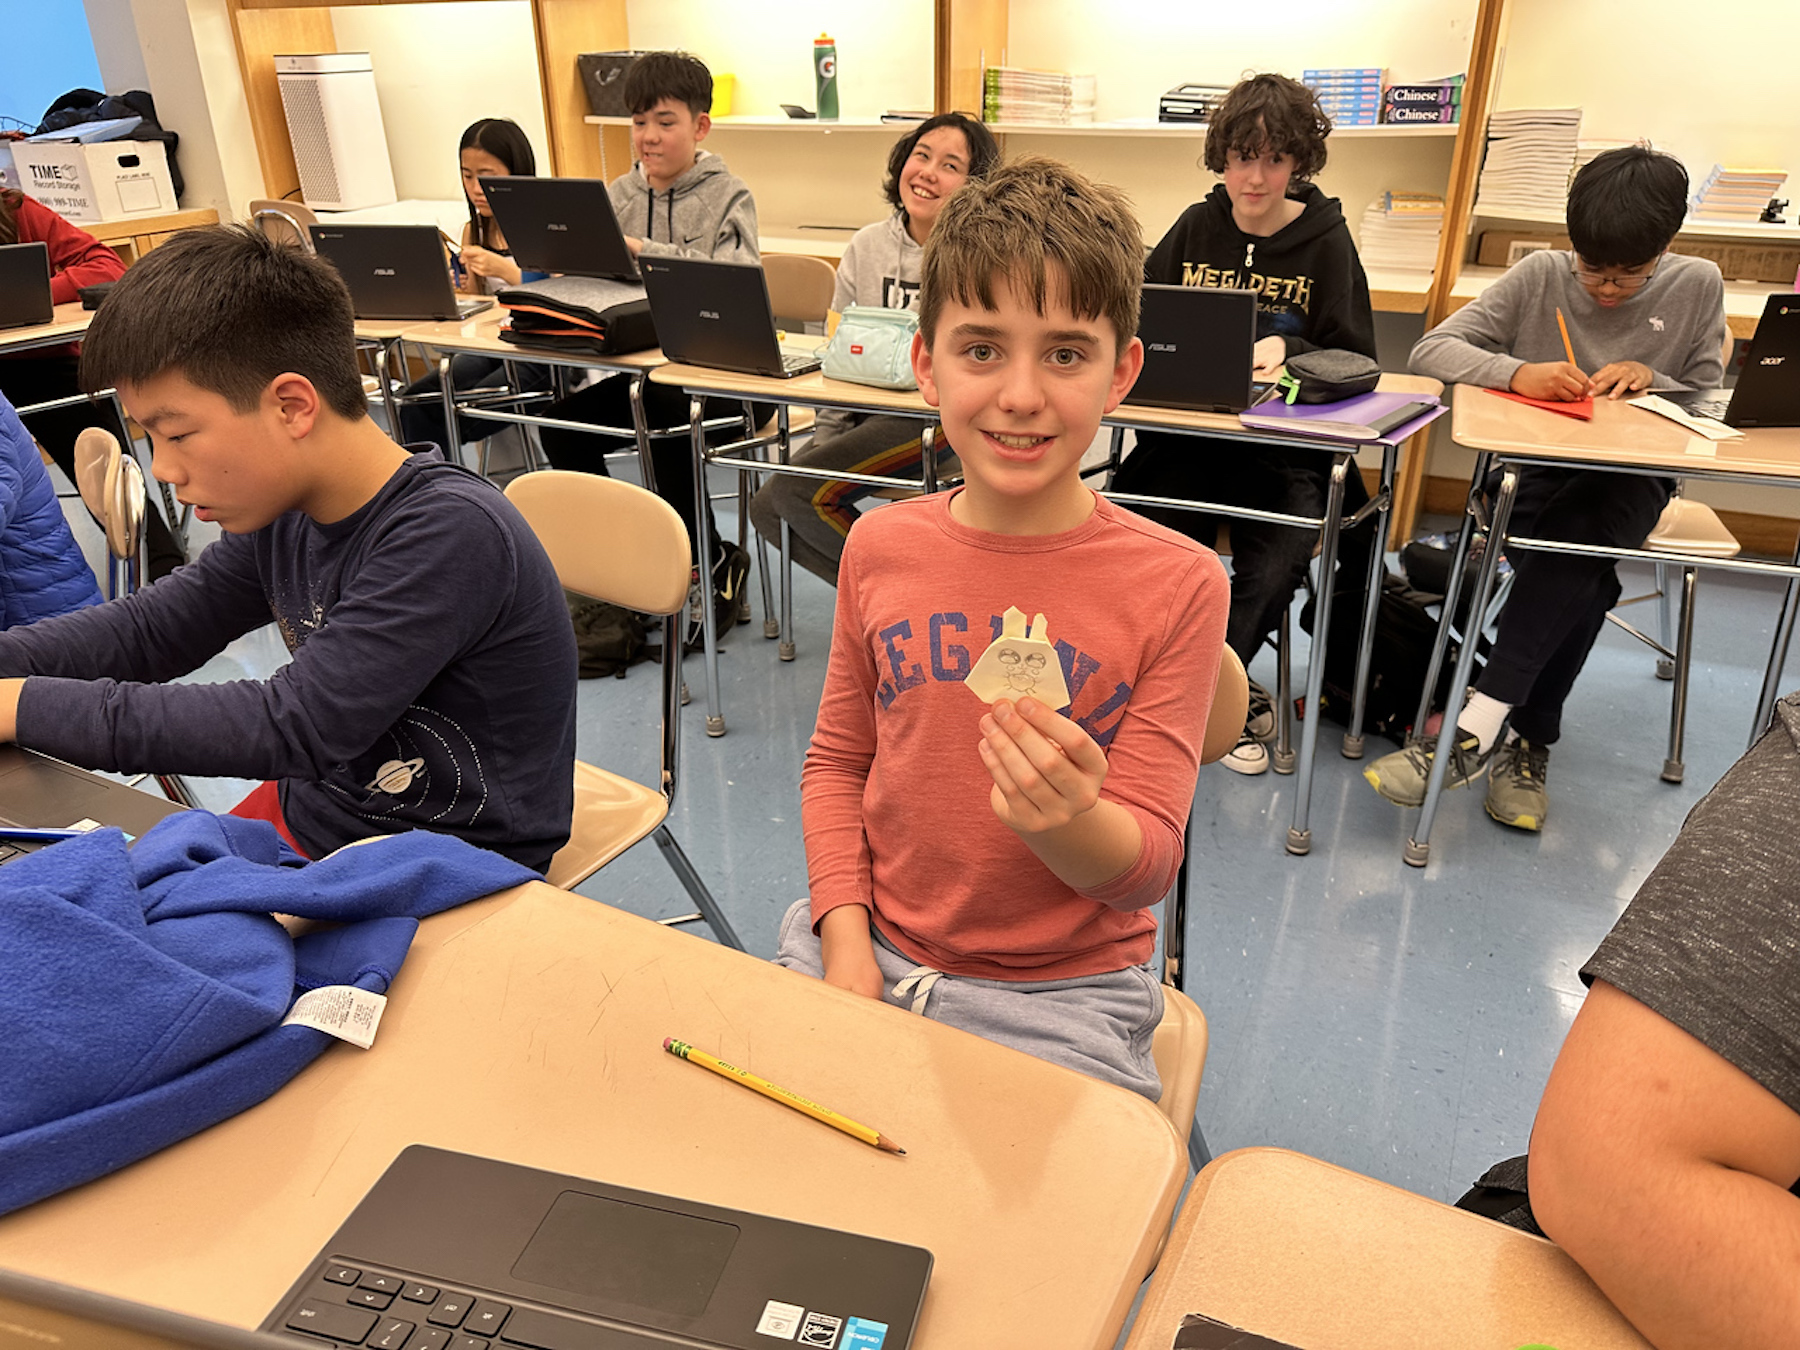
(1398, 1022)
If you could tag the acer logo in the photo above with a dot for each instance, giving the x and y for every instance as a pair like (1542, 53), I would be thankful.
(384, 271)
(1162, 346)
(709, 313)
(560, 229)
(1771, 360)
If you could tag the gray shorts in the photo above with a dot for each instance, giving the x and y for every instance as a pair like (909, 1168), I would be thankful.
(1100, 1025)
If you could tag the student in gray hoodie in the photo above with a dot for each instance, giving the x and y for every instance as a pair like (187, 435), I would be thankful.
(880, 267)
(677, 199)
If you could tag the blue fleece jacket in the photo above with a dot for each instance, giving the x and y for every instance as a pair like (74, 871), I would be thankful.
(142, 991)
(42, 572)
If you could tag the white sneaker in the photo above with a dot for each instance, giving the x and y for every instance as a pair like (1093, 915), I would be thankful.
(1261, 720)
(1250, 756)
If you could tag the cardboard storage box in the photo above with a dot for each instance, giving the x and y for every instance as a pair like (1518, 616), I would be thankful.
(107, 180)
(1747, 260)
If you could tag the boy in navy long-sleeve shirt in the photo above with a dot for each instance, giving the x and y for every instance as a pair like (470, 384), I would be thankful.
(433, 671)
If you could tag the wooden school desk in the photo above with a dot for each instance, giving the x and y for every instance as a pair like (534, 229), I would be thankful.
(67, 325)
(1300, 1251)
(528, 1027)
(1619, 439)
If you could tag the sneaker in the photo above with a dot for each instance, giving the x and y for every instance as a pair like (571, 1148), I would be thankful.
(729, 575)
(1249, 756)
(1516, 795)
(1400, 777)
(1261, 721)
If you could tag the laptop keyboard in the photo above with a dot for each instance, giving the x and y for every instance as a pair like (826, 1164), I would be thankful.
(384, 1310)
(795, 363)
(1714, 408)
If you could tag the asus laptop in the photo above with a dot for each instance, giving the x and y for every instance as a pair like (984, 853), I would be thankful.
(1767, 393)
(449, 1250)
(561, 225)
(1198, 349)
(717, 314)
(394, 271)
(25, 285)
(43, 1315)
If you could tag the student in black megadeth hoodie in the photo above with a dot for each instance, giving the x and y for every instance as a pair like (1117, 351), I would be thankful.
(1265, 228)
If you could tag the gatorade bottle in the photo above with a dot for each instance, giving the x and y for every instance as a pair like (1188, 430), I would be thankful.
(825, 69)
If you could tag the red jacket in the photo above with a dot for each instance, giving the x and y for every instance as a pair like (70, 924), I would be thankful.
(77, 259)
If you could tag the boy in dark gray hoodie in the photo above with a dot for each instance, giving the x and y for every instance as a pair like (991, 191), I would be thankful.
(677, 199)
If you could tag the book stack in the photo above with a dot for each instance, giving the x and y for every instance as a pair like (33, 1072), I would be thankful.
(1736, 194)
(1350, 95)
(1010, 94)
(1400, 232)
(1530, 155)
(1431, 102)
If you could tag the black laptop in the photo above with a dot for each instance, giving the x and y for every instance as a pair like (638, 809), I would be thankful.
(560, 225)
(43, 1315)
(25, 285)
(1199, 344)
(1767, 393)
(394, 271)
(451, 1250)
(717, 314)
(38, 792)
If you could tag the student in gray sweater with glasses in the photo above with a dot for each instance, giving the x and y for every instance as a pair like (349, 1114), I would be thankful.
(1639, 318)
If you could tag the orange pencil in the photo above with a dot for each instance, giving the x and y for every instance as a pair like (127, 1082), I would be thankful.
(824, 1114)
(1568, 347)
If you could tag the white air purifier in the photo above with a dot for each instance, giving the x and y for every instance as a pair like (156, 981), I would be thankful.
(334, 122)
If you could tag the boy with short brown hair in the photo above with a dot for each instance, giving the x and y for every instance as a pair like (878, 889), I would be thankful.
(993, 868)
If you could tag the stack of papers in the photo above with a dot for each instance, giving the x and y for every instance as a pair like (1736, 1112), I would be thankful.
(1530, 155)
(1010, 94)
(1737, 194)
(1400, 232)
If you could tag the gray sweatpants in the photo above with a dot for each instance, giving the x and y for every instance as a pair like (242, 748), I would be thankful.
(1099, 1025)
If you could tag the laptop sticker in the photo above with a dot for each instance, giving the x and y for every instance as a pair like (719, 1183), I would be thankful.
(820, 1329)
(780, 1320)
(862, 1334)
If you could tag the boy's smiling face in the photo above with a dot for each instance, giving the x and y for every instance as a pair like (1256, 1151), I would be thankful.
(665, 139)
(1021, 395)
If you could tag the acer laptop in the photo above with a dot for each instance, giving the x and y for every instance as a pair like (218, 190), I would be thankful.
(561, 225)
(43, 1315)
(717, 314)
(1767, 393)
(25, 285)
(394, 271)
(1198, 349)
(37, 792)
(448, 1250)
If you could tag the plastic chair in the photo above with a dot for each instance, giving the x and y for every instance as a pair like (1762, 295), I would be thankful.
(637, 558)
(283, 221)
(1179, 1046)
(1685, 526)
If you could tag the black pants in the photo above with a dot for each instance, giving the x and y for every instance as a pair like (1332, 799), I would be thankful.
(1268, 562)
(1559, 601)
(425, 421)
(39, 379)
(608, 404)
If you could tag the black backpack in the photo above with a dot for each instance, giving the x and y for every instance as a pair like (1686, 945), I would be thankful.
(1404, 632)
(610, 639)
(90, 105)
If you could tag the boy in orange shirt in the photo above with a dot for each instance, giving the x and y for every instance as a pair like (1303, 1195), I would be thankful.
(993, 867)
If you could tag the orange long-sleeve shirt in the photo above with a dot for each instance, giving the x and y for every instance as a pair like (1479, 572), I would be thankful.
(895, 801)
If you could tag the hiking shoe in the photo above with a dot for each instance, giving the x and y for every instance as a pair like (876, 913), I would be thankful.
(1249, 756)
(1400, 777)
(1261, 721)
(1516, 795)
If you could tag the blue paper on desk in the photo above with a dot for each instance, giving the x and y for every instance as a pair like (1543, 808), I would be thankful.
(1349, 419)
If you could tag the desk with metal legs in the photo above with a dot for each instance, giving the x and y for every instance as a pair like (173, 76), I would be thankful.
(1619, 439)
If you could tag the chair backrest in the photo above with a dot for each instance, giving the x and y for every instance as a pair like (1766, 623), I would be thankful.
(799, 287)
(1688, 526)
(1179, 1048)
(284, 222)
(1230, 706)
(607, 539)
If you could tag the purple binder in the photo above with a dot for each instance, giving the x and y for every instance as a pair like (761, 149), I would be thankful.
(1350, 419)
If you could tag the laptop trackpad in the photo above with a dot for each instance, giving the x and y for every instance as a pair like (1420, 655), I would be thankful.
(625, 1253)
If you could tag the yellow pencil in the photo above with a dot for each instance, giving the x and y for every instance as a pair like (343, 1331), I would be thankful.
(1568, 347)
(682, 1050)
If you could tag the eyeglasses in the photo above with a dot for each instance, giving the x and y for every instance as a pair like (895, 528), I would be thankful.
(1595, 280)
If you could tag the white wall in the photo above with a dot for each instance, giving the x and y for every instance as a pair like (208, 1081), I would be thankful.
(440, 67)
(884, 48)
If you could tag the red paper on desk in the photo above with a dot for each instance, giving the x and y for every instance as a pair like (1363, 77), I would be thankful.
(1582, 408)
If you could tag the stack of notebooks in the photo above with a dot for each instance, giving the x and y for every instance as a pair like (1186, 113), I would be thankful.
(1350, 95)
(1428, 102)
(1010, 94)
(1530, 155)
(1736, 194)
(1400, 232)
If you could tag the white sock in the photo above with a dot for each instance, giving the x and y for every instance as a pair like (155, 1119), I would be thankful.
(1481, 717)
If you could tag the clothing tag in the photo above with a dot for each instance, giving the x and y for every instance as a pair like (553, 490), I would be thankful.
(340, 1010)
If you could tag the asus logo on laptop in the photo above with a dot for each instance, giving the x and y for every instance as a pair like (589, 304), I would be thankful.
(1162, 346)
(384, 271)
(560, 229)
(709, 313)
